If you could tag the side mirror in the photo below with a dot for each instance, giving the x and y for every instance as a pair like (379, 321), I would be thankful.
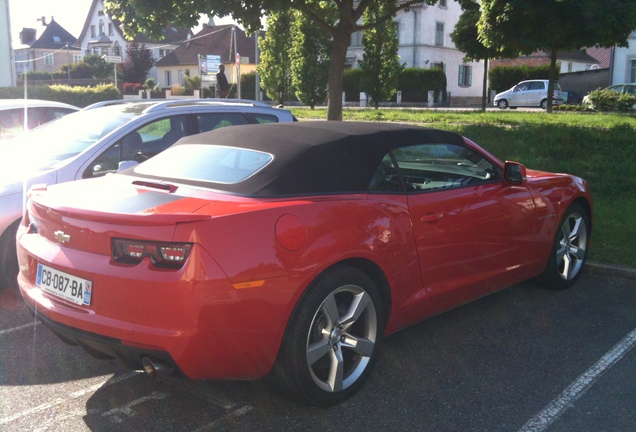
(514, 173)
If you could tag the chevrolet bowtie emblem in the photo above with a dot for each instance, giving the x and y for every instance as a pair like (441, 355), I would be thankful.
(61, 237)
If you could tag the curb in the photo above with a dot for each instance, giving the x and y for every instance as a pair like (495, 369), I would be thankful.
(610, 270)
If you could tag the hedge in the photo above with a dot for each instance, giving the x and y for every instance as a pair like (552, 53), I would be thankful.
(78, 96)
(415, 83)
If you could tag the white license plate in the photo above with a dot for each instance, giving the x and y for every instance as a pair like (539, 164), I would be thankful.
(64, 285)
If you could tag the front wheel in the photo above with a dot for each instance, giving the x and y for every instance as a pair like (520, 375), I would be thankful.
(502, 104)
(569, 250)
(544, 104)
(332, 339)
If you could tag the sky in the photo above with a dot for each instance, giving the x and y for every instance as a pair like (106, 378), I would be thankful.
(70, 14)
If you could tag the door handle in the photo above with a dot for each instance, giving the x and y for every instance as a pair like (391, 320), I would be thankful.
(431, 217)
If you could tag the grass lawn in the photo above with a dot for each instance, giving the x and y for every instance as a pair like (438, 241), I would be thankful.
(598, 147)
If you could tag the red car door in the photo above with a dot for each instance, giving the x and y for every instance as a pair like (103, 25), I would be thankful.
(472, 230)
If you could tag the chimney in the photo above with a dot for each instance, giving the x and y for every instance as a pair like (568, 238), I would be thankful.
(43, 19)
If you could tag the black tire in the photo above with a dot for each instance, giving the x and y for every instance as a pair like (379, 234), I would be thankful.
(9, 258)
(502, 104)
(544, 104)
(344, 349)
(569, 250)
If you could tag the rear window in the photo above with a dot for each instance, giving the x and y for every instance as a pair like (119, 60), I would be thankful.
(205, 163)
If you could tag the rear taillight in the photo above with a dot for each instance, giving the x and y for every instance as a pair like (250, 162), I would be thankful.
(162, 254)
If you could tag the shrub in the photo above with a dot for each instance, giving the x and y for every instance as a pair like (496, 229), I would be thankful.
(611, 100)
(150, 84)
(132, 88)
(39, 76)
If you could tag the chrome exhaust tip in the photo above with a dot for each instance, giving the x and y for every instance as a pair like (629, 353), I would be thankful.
(152, 368)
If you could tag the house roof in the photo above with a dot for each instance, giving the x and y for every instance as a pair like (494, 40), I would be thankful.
(215, 40)
(54, 37)
(171, 34)
(603, 56)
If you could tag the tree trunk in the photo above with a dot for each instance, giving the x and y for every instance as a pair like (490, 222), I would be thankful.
(336, 73)
(553, 64)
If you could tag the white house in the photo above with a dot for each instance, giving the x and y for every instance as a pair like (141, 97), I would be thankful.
(7, 73)
(102, 35)
(624, 62)
(424, 38)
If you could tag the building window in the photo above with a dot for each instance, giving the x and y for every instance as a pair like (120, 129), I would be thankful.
(164, 52)
(439, 65)
(100, 13)
(77, 58)
(93, 30)
(116, 49)
(356, 39)
(443, 3)
(111, 32)
(570, 66)
(101, 27)
(48, 59)
(632, 74)
(168, 78)
(439, 33)
(465, 78)
(397, 30)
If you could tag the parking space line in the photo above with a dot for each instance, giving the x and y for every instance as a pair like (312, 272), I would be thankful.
(59, 401)
(542, 420)
(10, 330)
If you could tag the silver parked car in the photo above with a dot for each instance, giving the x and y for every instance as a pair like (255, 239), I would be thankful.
(531, 93)
(36, 112)
(103, 139)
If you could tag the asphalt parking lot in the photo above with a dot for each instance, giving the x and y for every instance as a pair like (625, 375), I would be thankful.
(523, 359)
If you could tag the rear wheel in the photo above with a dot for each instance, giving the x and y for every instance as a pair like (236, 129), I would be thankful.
(569, 250)
(502, 104)
(332, 339)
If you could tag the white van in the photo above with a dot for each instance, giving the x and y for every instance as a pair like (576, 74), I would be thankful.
(531, 93)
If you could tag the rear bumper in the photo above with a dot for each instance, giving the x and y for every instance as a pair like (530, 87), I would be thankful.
(103, 347)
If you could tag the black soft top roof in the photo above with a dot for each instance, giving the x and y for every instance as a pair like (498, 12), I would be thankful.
(316, 157)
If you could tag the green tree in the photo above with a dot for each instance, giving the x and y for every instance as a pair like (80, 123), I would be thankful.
(274, 67)
(380, 62)
(100, 68)
(309, 61)
(466, 38)
(525, 26)
(138, 63)
(152, 16)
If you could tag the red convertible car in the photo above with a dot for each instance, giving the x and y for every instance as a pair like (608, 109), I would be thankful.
(290, 250)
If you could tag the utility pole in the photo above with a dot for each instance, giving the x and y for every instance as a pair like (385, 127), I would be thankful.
(68, 58)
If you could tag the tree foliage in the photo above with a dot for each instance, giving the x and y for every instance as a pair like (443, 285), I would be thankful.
(525, 26)
(274, 67)
(380, 63)
(309, 61)
(99, 67)
(138, 63)
(151, 16)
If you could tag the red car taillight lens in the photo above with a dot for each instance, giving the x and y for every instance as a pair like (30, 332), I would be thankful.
(162, 254)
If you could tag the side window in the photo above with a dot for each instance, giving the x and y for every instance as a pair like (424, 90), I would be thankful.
(139, 145)
(211, 121)
(537, 86)
(432, 167)
(386, 178)
(264, 118)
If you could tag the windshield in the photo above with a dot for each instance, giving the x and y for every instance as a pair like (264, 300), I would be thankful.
(47, 146)
(205, 163)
